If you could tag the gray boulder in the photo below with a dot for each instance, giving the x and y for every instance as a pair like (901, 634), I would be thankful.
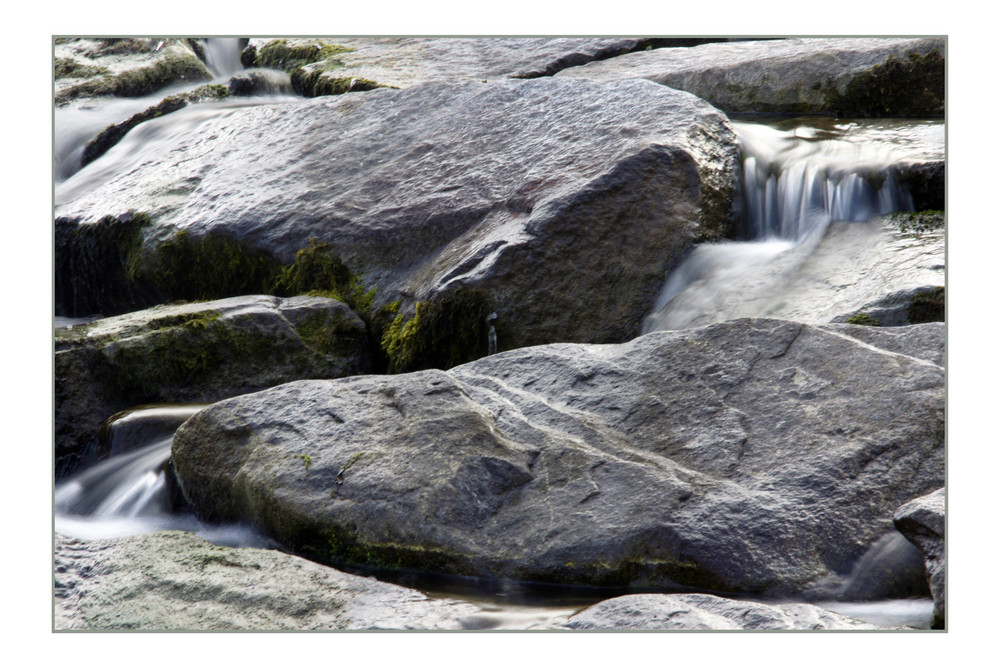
(707, 612)
(922, 521)
(174, 581)
(564, 202)
(753, 456)
(850, 77)
(196, 352)
(400, 62)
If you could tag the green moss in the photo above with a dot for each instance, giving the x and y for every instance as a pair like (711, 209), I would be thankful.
(314, 83)
(171, 69)
(306, 459)
(444, 332)
(209, 267)
(927, 307)
(917, 222)
(67, 68)
(863, 318)
(279, 54)
(324, 332)
(913, 87)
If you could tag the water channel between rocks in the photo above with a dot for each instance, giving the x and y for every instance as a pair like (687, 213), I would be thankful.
(814, 246)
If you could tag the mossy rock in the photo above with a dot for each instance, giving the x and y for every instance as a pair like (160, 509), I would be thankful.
(170, 70)
(927, 307)
(68, 68)
(913, 88)
(446, 331)
(280, 54)
(863, 319)
(315, 83)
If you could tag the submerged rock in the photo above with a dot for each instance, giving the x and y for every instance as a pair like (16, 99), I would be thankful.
(562, 201)
(196, 352)
(922, 521)
(754, 456)
(174, 581)
(847, 77)
(707, 612)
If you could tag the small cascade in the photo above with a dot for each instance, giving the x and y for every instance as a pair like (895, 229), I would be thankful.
(222, 55)
(795, 181)
(129, 493)
(800, 181)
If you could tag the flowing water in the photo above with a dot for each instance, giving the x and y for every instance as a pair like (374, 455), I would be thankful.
(802, 180)
(813, 250)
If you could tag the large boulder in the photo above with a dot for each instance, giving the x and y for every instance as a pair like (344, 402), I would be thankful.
(562, 202)
(695, 611)
(922, 521)
(753, 456)
(837, 76)
(174, 581)
(195, 352)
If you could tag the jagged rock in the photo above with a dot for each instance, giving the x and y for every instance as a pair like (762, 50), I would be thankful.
(754, 456)
(707, 612)
(562, 201)
(174, 581)
(197, 352)
(922, 522)
(847, 77)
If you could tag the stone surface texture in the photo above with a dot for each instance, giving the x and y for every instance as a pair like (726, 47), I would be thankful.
(922, 521)
(755, 456)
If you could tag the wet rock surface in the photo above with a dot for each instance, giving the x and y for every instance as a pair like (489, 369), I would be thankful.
(755, 456)
(564, 201)
(847, 77)
(174, 581)
(197, 352)
(922, 521)
(706, 612)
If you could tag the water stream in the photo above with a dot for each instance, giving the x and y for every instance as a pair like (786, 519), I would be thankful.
(803, 182)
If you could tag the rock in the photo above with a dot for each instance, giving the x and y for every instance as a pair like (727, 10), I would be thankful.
(855, 268)
(174, 581)
(923, 341)
(707, 612)
(751, 456)
(848, 77)
(400, 62)
(922, 521)
(197, 352)
(563, 202)
(123, 67)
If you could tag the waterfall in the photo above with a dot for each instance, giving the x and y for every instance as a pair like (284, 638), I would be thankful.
(222, 55)
(128, 493)
(799, 178)
(795, 181)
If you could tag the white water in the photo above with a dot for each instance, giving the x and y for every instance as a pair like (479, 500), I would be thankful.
(222, 55)
(799, 262)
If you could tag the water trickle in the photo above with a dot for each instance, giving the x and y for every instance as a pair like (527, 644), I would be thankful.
(222, 55)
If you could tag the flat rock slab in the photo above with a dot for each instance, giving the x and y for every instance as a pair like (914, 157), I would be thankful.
(400, 62)
(175, 581)
(707, 612)
(922, 521)
(754, 455)
(780, 76)
(564, 200)
(196, 352)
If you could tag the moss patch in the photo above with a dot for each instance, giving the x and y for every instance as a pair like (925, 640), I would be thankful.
(927, 307)
(170, 70)
(911, 87)
(279, 54)
(864, 319)
(315, 83)
(67, 68)
(444, 332)
(917, 223)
